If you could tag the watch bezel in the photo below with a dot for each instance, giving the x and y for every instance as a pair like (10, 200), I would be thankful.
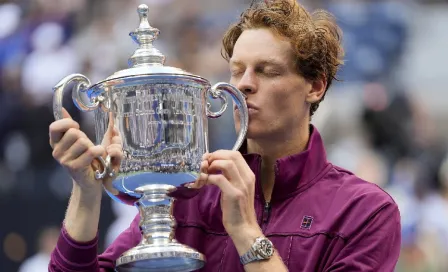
(260, 249)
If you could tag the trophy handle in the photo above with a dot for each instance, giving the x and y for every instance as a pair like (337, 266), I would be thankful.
(82, 84)
(240, 100)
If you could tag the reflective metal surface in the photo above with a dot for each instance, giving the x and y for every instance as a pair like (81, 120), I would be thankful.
(158, 251)
(172, 257)
(163, 127)
(160, 114)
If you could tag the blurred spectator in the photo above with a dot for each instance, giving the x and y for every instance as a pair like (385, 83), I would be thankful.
(49, 62)
(46, 243)
(124, 214)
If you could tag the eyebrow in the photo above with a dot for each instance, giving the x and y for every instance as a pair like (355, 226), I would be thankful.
(268, 61)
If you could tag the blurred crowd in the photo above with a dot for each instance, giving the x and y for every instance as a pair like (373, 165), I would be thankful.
(385, 120)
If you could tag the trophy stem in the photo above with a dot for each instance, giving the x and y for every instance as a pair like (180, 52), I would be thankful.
(158, 251)
(157, 223)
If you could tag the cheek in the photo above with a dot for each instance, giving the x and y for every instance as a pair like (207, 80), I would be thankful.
(286, 104)
(281, 100)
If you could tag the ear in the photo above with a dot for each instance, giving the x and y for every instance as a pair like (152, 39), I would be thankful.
(317, 91)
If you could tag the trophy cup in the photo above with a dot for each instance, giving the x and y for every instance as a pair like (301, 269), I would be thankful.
(161, 115)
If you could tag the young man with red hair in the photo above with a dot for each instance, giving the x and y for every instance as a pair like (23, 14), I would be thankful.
(279, 190)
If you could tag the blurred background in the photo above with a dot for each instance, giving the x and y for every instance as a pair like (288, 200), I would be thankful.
(386, 120)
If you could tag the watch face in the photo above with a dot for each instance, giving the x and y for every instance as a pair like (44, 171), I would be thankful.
(265, 248)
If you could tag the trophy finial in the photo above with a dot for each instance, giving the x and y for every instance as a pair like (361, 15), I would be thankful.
(143, 14)
(144, 36)
(143, 9)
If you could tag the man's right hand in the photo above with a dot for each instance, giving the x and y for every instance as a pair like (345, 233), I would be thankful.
(76, 152)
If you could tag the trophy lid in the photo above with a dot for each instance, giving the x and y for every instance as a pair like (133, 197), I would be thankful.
(146, 59)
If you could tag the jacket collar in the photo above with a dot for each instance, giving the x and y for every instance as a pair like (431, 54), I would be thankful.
(293, 173)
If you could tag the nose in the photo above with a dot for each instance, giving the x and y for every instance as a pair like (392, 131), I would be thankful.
(247, 83)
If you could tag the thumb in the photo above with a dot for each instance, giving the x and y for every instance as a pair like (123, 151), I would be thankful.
(65, 114)
(108, 135)
(110, 126)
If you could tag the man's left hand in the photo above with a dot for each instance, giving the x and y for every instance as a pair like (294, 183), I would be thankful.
(229, 171)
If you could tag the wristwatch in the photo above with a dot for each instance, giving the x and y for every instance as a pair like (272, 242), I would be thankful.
(262, 249)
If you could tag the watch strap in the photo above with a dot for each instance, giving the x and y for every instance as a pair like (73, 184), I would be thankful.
(249, 257)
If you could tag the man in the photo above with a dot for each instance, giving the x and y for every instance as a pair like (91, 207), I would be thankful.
(278, 190)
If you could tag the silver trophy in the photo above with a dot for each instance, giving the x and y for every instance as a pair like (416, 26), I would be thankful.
(161, 115)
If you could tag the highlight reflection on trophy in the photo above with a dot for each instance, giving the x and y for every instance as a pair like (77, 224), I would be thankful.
(161, 115)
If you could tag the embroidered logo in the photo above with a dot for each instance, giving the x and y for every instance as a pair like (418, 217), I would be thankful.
(306, 222)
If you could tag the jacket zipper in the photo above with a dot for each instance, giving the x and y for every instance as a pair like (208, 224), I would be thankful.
(267, 207)
(266, 215)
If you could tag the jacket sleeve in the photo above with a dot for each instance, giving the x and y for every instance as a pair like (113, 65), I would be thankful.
(70, 255)
(375, 247)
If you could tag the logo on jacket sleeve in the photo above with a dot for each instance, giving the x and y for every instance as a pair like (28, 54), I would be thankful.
(306, 222)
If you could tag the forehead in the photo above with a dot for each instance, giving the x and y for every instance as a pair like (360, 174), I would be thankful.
(255, 45)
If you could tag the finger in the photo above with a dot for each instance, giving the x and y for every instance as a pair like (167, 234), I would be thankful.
(110, 126)
(116, 140)
(59, 128)
(205, 156)
(224, 185)
(115, 151)
(245, 173)
(200, 182)
(62, 147)
(77, 149)
(234, 156)
(87, 157)
(227, 168)
(203, 168)
(202, 178)
(65, 114)
(116, 131)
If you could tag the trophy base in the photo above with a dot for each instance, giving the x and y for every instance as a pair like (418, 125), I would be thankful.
(171, 257)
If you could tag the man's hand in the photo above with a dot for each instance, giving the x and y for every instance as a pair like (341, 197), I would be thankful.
(229, 171)
(74, 151)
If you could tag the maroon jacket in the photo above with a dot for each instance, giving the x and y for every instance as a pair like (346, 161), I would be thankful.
(321, 218)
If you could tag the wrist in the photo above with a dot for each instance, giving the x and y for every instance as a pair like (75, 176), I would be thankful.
(85, 200)
(83, 212)
(244, 237)
(88, 195)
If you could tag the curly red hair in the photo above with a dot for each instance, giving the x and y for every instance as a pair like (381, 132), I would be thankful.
(315, 37)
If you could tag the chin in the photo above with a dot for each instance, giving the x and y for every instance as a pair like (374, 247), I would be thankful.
(253, 132)
(257, 135)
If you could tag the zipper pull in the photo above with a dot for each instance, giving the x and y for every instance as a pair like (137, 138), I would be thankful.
(266, 212)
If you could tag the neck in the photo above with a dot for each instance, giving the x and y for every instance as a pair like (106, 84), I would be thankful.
(271, 150)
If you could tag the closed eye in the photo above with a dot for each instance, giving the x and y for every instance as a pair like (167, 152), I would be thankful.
(236, 72)
(269, 72)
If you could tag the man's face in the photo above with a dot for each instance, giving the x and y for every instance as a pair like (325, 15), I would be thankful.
(262, 67)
